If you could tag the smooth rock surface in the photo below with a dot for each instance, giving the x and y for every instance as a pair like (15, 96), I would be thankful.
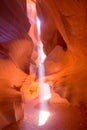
(67, 66)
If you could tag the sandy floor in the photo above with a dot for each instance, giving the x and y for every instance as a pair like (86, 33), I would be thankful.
(62, 117)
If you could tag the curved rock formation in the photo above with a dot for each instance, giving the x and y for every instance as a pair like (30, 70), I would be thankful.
(63, 33)
(15, 54)
(63, 23)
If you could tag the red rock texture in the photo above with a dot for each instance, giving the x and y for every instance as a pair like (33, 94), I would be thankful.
(15, 54)
(63, 23)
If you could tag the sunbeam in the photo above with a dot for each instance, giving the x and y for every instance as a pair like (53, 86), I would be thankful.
(44, 88)
(45, 93)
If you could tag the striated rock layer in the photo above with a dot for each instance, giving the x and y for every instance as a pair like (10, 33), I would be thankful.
(63, 33)
(15, 54)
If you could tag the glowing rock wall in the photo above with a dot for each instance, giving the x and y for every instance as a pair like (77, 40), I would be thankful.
(15, 53)
(63, 33)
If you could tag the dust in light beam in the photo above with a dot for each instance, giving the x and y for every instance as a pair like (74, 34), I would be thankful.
(45, 93)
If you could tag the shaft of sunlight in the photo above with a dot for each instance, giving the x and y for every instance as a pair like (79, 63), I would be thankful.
(38, 26)
(44, 87)
(45, 93)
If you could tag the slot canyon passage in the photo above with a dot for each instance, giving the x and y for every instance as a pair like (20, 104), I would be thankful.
(43, 65)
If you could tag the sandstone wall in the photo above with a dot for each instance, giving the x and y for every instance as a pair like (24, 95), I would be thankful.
(15, 54)
(63, 33)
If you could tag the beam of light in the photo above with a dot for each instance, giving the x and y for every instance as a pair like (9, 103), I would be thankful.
(44, 87)
(41, 54)
(38, 26)
(43, 117)
(45, 93)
